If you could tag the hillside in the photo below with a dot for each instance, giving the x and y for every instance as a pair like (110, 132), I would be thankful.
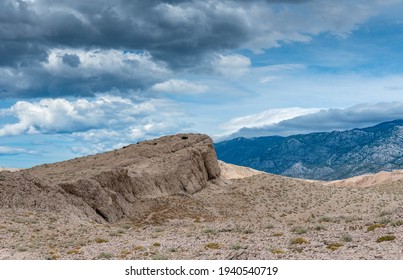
(321, 156)
(106, 187)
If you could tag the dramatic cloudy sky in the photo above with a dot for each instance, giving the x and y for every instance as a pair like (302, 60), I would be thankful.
(81, 77)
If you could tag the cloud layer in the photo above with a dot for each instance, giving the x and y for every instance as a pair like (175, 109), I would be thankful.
(60, 48)
(99, 124)
(358, 116)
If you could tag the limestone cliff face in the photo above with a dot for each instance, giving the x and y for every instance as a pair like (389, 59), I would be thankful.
(106, 186)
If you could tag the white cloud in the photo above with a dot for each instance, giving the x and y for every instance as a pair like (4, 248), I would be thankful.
(273, 27)
(179, 86)
(232, 66)
(110, 61)
(63, 116)
(268, 117)
(7, 150)
(96, 125)
(359, 116)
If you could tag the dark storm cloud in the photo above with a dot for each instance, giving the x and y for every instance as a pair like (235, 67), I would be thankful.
(71, 60)
(180, 34)
(196, 28)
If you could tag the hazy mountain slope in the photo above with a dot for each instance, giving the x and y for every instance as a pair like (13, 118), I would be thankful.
(324, 156)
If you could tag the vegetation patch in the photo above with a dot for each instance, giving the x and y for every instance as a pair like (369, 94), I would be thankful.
(396, 223)
(159, 257)
(375, 226)
(299, 241)
(139, 248)
(104, 256)
(212, 245)
(334, 246)
(299, 230)
(277, 251)
(101, 240)
(75, 251)
(386, 238)
(346, 238)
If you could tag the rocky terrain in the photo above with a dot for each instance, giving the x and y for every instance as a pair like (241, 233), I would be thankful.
(170, 198)
(321, 156)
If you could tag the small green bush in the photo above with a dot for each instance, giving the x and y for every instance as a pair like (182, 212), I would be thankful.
(212, 245)
(277, 251)
(101, 240)
(105, 256)
(386, 238)
(334, 246)
(346, 238)
(298, 230)
(299, 241)
(375, 226)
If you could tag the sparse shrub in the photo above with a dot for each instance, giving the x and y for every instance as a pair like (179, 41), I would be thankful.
(386, 238)
(158, 229)
(159, 257)
(325, 220)
(2, 178)
(269, 226)
(396, 223)
(236, 246)
(156, 244)
(74, 251)
(346, 237)
(319, 227)
(184, 137)
(127, 226)
(104, 256)
(299, 241)
(212, 245)
(247, 231)
(384, 220)
(101, 240)
(334, 246)
(299, 230)
(123, 254)
(139, 248)
(210, 231)
(277, 251)
(375, 226)
(385, 213)
(277, 234)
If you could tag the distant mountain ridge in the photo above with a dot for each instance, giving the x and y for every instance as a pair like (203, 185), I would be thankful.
(321, 156)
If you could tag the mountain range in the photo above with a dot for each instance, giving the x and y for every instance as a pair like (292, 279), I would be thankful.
(321, 156)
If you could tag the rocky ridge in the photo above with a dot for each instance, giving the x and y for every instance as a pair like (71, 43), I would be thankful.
(106, 187)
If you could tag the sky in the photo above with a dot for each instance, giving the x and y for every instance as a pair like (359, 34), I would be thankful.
(83, 77)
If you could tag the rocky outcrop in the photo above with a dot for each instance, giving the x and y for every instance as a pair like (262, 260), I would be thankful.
(106, 186)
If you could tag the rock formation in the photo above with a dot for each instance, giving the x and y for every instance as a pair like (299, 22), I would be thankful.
(105, 187)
